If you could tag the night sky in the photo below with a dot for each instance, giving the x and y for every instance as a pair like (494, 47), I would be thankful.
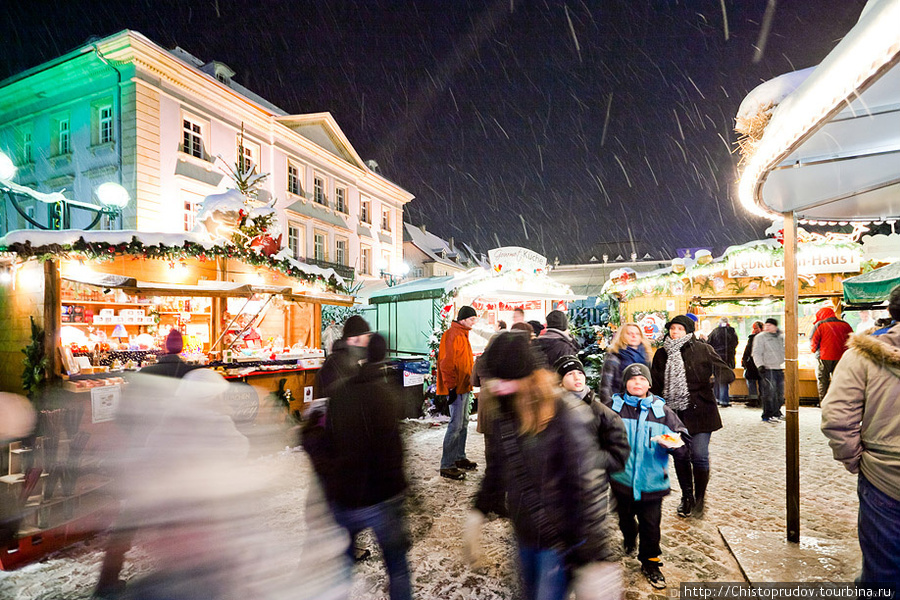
(554, 125)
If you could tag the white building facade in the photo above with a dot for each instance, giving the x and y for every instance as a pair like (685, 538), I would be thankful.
(166, 126)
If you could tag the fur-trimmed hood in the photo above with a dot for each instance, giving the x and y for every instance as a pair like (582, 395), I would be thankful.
(883, 348)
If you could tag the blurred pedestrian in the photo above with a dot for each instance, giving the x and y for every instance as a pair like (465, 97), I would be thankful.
(640, 488)
(629, 345)
(170, 364)
(454, 380)
(609, 430)
(751, 374)
(768, 354)
(537, 327)
(518, 316)
(549, 466)
(861, 418)
(724, 341)
(556, 341)
(682, 371)
(828, 342)
(366, 485)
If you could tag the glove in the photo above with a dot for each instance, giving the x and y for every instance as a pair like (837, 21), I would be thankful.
(471, 536)
(451, 396)
(761, 370)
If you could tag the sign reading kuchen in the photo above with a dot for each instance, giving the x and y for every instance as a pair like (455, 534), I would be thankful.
(514, 258)
(811, 259)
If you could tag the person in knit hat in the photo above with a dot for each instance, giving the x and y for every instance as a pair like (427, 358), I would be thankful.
(682, 373)
(455, 364)
(546, 457)
(640, 488)
(556, 341)
(170, 364)
(346, 355)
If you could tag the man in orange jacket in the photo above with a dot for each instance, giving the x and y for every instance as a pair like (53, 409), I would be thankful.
(454, 380)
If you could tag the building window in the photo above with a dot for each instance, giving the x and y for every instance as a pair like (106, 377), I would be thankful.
(418, 272)
(65, 141)
(319, 246)
(104, 125)
(190, 210)
(27, 148)
(365, 260)
(294, 186)
(365, 209)
(340, 251)
(386, 219)
(340, 200)
(319, 191)
(193, 138)
(294, 240)
(248, 156)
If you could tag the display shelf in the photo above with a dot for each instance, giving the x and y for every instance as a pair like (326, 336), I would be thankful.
(64, 324)
(182, 312)
(103, 303)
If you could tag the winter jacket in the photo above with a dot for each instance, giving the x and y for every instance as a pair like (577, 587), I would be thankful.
(861, 411)
(455, 361)
(611, 376)
(341, 365)
(562, 466)
(830, 335)
(768, 350)
(168, 365)
(555, 344)
(646, 475)
(750, 370)
(362, 433)
(724, 341)
(610, 434)
(701, 363)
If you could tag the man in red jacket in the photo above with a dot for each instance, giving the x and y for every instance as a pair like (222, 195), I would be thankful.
(454, 380)
(828, 342)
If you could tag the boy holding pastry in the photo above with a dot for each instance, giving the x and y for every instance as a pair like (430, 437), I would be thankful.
(654, 431)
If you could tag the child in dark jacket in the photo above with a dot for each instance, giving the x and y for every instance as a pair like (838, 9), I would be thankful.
(654, 431)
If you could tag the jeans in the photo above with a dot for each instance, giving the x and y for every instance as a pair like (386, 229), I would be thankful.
(753, 388)
(772, 392)
(721, 392)
(879, 534)
(544, 575)
(389, 525)
(699, 446)
(823, 376)
(457, 431)
(640, 520)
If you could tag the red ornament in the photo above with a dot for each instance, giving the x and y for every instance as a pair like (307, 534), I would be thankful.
(265, 245)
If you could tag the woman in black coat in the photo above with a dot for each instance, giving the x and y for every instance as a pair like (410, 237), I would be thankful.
(684, 381)
(751, 373)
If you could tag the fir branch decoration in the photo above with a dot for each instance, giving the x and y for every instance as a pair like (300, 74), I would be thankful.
(35, 363)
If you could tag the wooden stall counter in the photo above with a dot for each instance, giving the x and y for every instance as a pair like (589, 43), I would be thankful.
(301, 381)
(809, 391)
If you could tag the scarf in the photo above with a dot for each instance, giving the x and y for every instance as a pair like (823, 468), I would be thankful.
(675, 388)
(629, 356)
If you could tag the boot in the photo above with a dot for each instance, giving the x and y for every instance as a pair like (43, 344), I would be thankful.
(701, 480)
(683, 471)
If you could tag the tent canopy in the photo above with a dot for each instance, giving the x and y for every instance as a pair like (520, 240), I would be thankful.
(872, 287)
(831, 151)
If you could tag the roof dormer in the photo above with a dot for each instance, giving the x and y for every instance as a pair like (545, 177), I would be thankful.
(222, 72)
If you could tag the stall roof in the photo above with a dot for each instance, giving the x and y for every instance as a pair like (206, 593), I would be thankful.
(872, 287)
(831, 151)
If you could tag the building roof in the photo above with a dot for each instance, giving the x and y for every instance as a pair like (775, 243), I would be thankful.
(437, 249)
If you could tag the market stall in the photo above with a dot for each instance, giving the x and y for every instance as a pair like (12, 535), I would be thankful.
(745, 284)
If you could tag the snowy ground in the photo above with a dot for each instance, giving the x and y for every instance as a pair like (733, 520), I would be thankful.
(747, 489)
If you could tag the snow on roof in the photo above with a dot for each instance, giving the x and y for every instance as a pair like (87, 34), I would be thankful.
(766, 96)
(430, 244)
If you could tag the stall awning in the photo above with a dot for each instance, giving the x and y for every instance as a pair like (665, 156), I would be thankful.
(214, 289)
(831, 151)
(872, 287)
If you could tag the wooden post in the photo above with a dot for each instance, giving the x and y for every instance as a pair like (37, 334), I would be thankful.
(52, 316)
(317, 326)
(791, 379)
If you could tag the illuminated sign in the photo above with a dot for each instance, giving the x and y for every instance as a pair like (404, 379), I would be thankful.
(811, 259)
(514, 258)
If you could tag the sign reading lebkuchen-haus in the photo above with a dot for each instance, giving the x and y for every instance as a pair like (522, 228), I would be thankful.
(811, 259)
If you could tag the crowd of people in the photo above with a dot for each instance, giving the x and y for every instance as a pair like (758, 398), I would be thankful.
(561, 458)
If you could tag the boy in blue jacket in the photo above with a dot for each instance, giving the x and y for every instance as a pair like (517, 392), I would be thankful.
(640, 488)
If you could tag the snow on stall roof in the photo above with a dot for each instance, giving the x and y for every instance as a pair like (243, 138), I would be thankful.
(444, 284)
(768, 95)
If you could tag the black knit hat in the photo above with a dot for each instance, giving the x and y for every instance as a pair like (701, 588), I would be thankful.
(684, 321)
(564, 364)
(536, 327)
(772, 322)
(510, 356)
(635, 370)
(355, 326)
(557, 319)
(465, 312)
(894, 304)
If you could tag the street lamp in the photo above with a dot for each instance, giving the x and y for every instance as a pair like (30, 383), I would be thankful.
(113, 198)
(394, 278)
